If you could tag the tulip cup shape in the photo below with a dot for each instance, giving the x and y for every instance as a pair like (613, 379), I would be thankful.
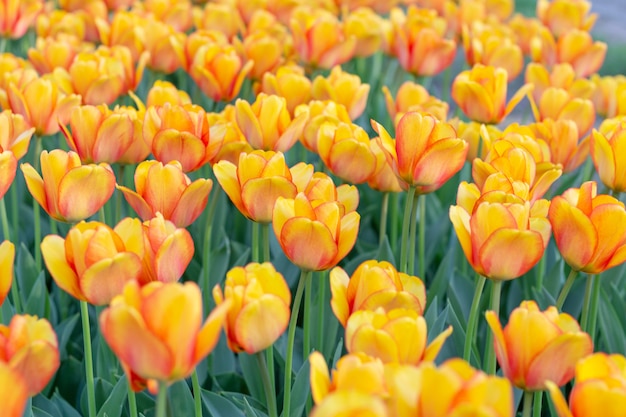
(7, 257)
(608, 157)
(260, 312)
(66, 190)
(600, 389)
(550, 354)
(157, 332)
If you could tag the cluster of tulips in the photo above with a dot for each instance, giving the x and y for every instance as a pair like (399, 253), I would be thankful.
(279, 102)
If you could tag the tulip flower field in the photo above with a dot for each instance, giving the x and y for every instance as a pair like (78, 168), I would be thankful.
(325, 208)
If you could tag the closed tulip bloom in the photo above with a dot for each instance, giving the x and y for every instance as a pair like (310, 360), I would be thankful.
(493, 44)
(320, 112)
(289, 82)
(28, 345)
(452, 389)
(220, 16)
(561, 16)
(8, 169)
(13, 391)
(166, 47)
(165, 92)
(414, 97)
(68, 191)
(559, 104)
(321, 187)
(59, 51)
(18, 16)
(143, 328)
(395, 336)
(94, 262)
(259, 178)
(609, 158)
(566, 147)
(550, 355)
(7, 257)
(559, 76)
(374, 284)
(264, 50)
(164, 188)
(168, 250)
(350, 404)
(383, 179)
(481, 93)
(426, 152)
(600, 389)
(502, 236)
(314, 234)
(224, 128)
(589, 229)
(343, 88)
(365, 26)
(260, 309)
(180, 133)
(266, 124)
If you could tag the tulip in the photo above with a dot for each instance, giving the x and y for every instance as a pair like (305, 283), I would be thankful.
(395, 336)
(481, 93)
(589, 229)
(177, 14)
(289, 82)
(266, 123)
(62, 190)
(166, 47)
(608, 157)
(143, 328)
(260, 306)
(13, 392)
(501, 235)
(56, 22)
(600, 389)
(88, 12)
(478, 137)
(550, 355)
(609, 95)
(18, 16)
(321, 187)
(28, 345)
(167, 190)
(559, 104)
(60, 51)
(365, 26)
(264, 50)
(221, 17)
(320, 112)
(560, 76)
(342, 88)
(224, 128)
(8, 168)
(125, 28)
(259, 178)
(314, 235)
(168, 250)
(350, 403)
(180, 133)
(561, 16)
(372, 285)
(562, 137)
(426, 152)
(165, 92)
(7, 257)
(413, 97)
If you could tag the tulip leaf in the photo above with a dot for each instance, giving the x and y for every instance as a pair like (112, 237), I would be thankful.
(610, 325)
(37, 412)
(223, 360)
(384, 251)
(26, 272)
(338, 352)
(219, 406)
(300, 391)
(251, 412)
(38, 302)
(114, 404)
(543, 298)
(66, 409)
(441, 280)
(251, 374)
(64, 332)
(458, 335)
(180, 400)
(106, 364)
(44, 404)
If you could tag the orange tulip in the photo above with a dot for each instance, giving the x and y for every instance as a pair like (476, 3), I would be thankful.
(426, 152)
(180, 133)
(69, 191)
(28, 345)
(559, 104)
(561, 16)
(600, 389)
(589, 229)
(220, 16)
(18, 16)
(56, 22)
(42, 104)
(260, 306)
(607, 151)
(175, 13)
(413, 97)
(88, 11)
(52, 52)
(383, 179)
(289, 82)
(395, 336)
(314, 234)
(350, 403)
(166, 47)
(477, 137)
(143, 328)
(259, 178)
(125, 28)
(321, 187)
(224, 128)
(320, 112)
(13, 391)
(560, 76)
(550, 355)
(167, 190)
(94, 262)
(168, 250)
(8, 169)
(562, 137)
(163, 92)
(342, 88)
(7, 257)
(481, 93)
(502, 236)
(374, 284)
(264, 50)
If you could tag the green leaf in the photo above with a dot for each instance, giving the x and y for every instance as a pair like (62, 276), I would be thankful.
(250, 371)
(251, 412)
(44, 404)
(611, 330)
(64, 331)
(300, 391)
(66, 409)
(26, 271)
(219, 406)
(180, 399)
(113, 405)
(38, 298)
(37, 412)
(384, 252)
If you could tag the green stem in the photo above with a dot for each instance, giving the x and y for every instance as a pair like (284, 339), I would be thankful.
(537, 403)
(321, 304)
(268, 385)
(14, 210)
(584, 318)
(37, 233)
(269, 359)
(255, 241)
(528, 403)
(473, 318)
(3, 44)
(161, 400)
(412, 236)
(206, 252)
(496, 290)
(102, 218)
(569, 282)
(384, 208)
(91, 393)
(265, 243)
(17, 302)
(291, 338)
(593, 307)
(197, 393)
(422, 238)
(308, 300)
(540, 270)
(118, 196)
(393, 215)
(406, 223)
(132, 402)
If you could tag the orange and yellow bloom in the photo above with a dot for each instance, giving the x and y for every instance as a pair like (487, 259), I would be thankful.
(608, 153)
(7, 257)
(13, 391)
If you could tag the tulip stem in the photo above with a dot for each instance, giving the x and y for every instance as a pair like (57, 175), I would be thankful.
(268, 385)
(473, 318)
(590, 305)
(321, 303)
(36, 208)
(393, 215)
(308, 300)
(265, 242)
(406, 222)
(528, 403)
(206, 251)
(496, 290)
(422, 237)
(161, 400)
(384, 209)
(412, 234)
(537, 403)
(255, 242)
(566, 289)
(197, 393)
(91, 393)
(17, 303)
(291, 337)
(132, 401)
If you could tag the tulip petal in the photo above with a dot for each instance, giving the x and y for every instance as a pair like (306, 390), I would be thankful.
(595, 398)
(226, 174)
(105, 279)
(412, 137)
(7, 257)
(432, 350)
(575, 235)
(499, 342)
(261, 322)
(374, 342)
(260, 194)
(339, 280)
(610, 223)
(34, 182)
(74, 205)
(143, 210)
(174, 256)
(560, 404)
(192, 202)
(348, 232)
(440, 162)
(13, 391)
(53, 252)
(173, 145)
(210, 332)
(36, 363)
(308, 244)
(509, 253)
(319, 377)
